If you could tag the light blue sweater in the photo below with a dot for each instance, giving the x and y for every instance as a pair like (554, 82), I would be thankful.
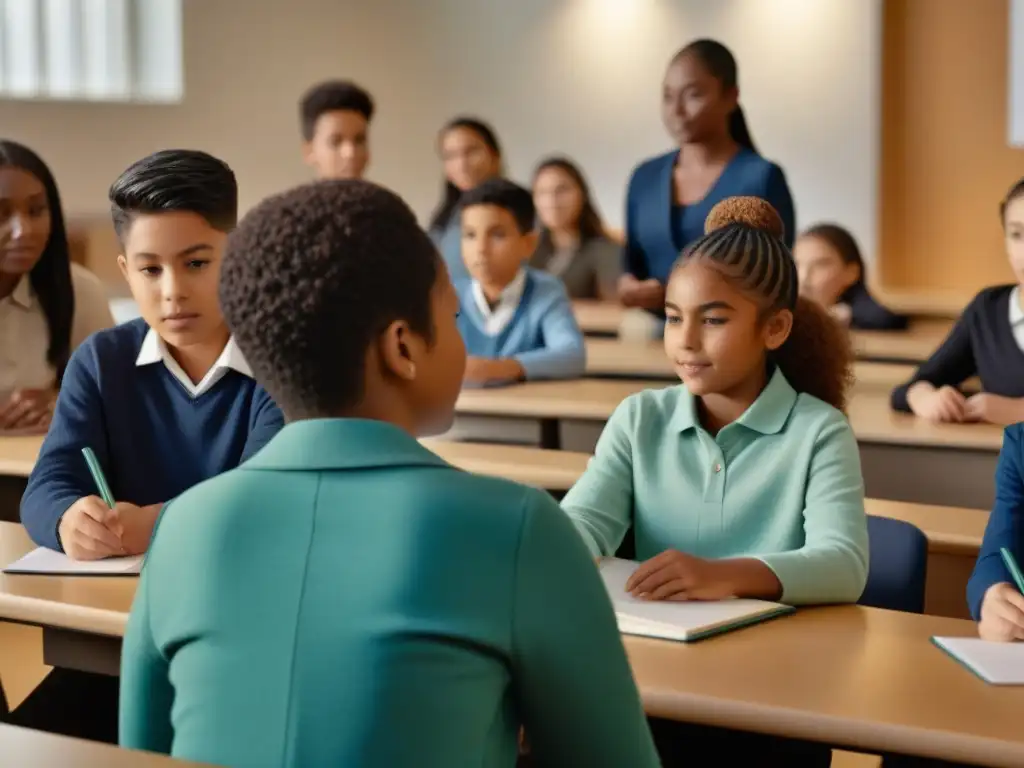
(543, 335)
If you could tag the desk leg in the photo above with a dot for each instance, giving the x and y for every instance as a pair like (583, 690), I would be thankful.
(68, 649)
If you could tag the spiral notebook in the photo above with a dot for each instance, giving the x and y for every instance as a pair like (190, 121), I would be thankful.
(47, 562)
(681, 621)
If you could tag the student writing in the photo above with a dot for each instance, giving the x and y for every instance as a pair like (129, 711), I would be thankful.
(48, 306)
(347, 582)
(669, 196)
(335, 118)
(987, 341)
(745, 480)
(831, 271)
(517, 321)
(573, 245)
(471, 154)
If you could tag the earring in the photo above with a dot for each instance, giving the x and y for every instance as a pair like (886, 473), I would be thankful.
(412, 370)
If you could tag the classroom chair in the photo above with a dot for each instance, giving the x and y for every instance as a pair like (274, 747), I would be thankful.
(897, 567)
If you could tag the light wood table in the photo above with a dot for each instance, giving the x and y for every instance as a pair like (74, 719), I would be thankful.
(27, 748)
(853, 677)
(597, 318)
(848, 676)
(904, 458)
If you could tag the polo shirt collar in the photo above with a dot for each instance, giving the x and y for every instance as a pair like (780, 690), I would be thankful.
(337, 444)
(768, 414)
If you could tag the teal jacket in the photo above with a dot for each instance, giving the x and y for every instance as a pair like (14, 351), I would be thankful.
(348, 598)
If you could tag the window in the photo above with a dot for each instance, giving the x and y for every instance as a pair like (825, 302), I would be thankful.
(91, 50)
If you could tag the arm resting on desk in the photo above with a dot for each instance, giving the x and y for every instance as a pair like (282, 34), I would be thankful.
(950, 365)
(61, 476)
(578, 701)
(563, 354)
(832, 565)
(1005, 525)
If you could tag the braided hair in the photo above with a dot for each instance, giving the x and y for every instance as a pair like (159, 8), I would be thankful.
(743, 242)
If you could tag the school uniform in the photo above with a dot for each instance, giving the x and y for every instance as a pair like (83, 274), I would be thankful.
(657, 229)
(1005, 526)
(987, 341)
(348, 598)
(590, 270)
(782, 484)
(25, 333)
(448, 240)
(867, 314)
(532, 322)
(154, 432)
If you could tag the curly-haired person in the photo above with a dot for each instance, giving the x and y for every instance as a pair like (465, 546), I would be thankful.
(347, 597)
(745, 481)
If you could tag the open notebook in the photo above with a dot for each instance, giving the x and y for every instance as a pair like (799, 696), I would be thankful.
(995, 663)
(678, 621)
(44, 561)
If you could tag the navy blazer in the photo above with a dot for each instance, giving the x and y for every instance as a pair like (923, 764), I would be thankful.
(1006, 523)
(651, 245)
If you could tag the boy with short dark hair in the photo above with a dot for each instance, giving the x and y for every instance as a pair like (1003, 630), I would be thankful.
(335, 117)
(517, 321)
(165, 401)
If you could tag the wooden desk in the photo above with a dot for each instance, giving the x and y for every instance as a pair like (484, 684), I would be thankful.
(598, 318)
(849, 676)
(853, 677)
(26, 748)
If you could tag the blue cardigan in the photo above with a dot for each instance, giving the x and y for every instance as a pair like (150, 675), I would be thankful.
(1006, 523)
(654, 238)
(543, 335)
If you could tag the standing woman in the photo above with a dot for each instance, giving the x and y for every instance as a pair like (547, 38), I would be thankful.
(471, 154)
(670, 195)
(573, 244)
(48, 306)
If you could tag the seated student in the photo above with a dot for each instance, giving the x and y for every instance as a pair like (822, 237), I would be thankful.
(573, 245)
(745, 481)
(48, 306)
(397, 611)
(831, 271)
(166, 401)
(987, 341)
(335, 117)
(517, 322)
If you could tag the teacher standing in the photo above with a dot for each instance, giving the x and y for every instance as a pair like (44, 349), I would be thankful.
(670, 195)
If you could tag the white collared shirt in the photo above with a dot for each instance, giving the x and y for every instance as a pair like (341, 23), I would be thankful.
(1017, 318)
(154, 350)
(496, 320)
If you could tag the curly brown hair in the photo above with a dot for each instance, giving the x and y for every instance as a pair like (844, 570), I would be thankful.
(743, 241)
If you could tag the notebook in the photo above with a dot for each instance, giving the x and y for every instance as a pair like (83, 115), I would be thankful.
(995, 663)
(685, 622)
(47, 562)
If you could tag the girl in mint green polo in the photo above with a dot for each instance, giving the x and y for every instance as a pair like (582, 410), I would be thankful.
(346, 597)
(745, 480)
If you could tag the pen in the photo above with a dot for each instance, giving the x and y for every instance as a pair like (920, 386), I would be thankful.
(97, 476)
(1013, 568)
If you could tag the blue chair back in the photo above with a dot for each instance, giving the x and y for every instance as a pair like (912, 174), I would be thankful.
(897, 567)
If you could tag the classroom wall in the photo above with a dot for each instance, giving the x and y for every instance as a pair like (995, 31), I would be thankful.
(575, 76)
(946, 159)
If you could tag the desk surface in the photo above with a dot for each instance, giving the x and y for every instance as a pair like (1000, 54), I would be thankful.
(594, 400)
(34, 749)
(913, 345)
(849, 675)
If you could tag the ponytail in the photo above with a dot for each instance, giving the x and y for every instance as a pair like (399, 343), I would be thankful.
(817, 357)
(739, 131)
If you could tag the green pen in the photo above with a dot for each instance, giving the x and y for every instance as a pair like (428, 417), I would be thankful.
(97, 476)
(1013, 568)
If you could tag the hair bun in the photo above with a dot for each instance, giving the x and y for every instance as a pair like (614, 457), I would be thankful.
(750, 211)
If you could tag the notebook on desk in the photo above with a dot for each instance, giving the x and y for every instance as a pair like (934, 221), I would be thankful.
(46, 562)
(995, 663)
(682, 621)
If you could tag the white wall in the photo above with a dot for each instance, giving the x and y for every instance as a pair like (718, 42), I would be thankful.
(575, 76)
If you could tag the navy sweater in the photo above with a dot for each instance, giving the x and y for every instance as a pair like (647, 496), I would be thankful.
(151, 437)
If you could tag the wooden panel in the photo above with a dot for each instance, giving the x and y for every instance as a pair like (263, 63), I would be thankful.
(945, 158)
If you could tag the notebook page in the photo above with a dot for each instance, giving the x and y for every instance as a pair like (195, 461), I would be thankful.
(995, 663)
(47, 561)
(673, 620)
